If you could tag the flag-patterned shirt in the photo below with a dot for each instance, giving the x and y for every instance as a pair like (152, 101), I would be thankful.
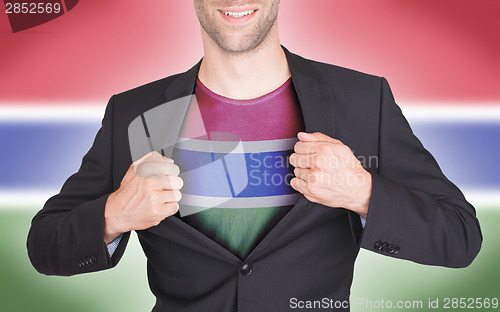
(233, 156)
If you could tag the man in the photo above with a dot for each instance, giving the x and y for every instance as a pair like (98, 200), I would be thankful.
(260, 257)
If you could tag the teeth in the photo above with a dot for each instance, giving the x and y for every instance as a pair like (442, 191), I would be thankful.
(239, 14)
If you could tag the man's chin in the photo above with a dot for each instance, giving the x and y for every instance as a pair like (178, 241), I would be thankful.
(239, 46)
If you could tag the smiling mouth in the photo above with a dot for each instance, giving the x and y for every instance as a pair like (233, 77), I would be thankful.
(239, 14)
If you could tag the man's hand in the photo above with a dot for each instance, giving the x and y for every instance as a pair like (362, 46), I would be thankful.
(327, 172)
(148, 193)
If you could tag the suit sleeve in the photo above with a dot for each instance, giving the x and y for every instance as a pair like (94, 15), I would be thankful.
(67, 236)
(415, 212)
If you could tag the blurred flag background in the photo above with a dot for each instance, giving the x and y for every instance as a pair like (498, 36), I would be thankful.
(440, 57)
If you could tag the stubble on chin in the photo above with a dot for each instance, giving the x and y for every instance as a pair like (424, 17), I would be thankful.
(245, 44)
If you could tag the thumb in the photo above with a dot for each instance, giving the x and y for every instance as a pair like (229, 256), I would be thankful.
(316, 137)
(152, 156)
(143, 158)
(132, 169)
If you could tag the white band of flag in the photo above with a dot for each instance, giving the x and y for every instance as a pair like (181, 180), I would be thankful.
(94, 111)
(238, 202)
(34, 200)
(229, 147)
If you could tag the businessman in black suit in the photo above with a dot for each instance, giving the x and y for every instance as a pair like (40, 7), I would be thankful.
(412, 210)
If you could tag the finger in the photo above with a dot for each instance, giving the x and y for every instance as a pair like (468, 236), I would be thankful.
(298, 184)
(171, 208)
(157, 169)
(148, 170)
(132, 169)
(156, 157)
(164, 183)
(303, 147)
(316, 137)
(170, 196)
(311, 176)
(301, 186)
(172, 183)
(172, 169)
(301, 173)
(314, 147)
(152, 154)
(302, 161)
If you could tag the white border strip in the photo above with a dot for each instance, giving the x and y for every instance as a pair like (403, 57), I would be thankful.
(27, 199)
(429, 112)
(92, 111)
(489, 198)
(88, 112)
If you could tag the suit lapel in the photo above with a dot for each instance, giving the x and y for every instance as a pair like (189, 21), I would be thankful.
(183, 84)
(315, 98)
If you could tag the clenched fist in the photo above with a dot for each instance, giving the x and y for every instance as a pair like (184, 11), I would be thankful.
(148, 193)
(327, 172)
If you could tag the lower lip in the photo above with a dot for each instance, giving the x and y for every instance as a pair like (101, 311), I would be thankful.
(237, 20)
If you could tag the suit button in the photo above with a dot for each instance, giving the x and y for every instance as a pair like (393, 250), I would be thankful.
(378, 245)
(384, 246)
(82, 263)
(246, 269)
(93, 260)
(390, 249)
(396, 249)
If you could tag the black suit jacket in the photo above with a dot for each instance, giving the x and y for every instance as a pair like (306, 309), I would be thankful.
(415, 212)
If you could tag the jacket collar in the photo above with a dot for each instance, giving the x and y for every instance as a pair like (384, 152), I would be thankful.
(315, 96)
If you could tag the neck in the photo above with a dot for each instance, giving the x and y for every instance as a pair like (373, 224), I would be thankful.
(245, 75)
